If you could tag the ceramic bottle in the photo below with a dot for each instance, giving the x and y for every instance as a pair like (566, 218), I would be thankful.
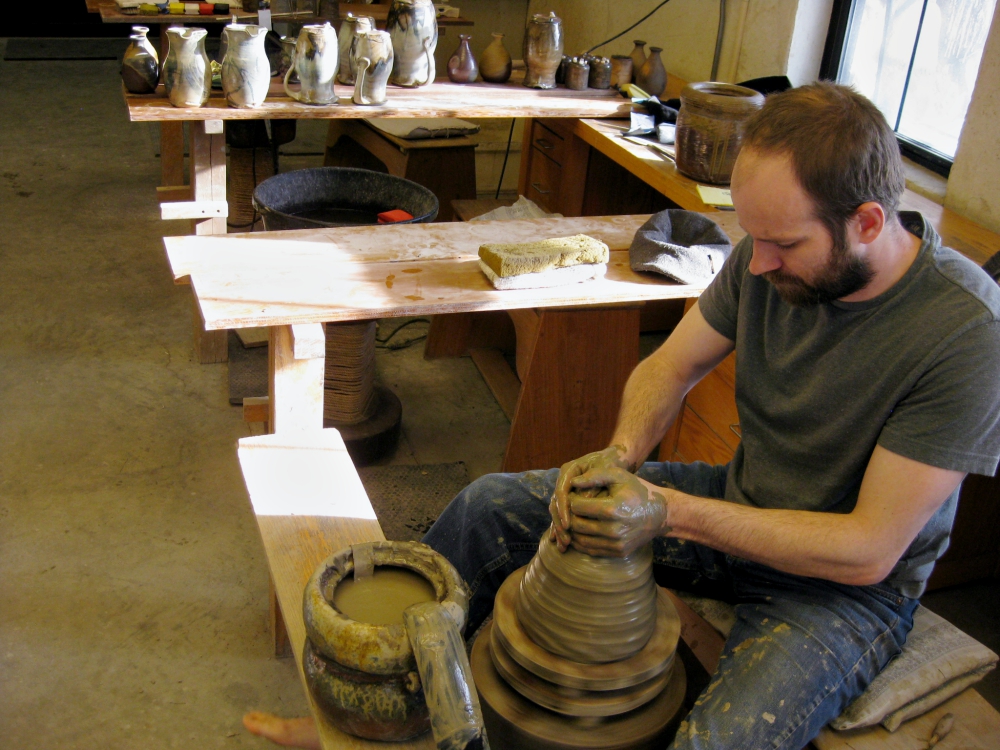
(621, 70)
(462, 67)
(246, 72)
(348, 41)
(140, 65)
(652, 77)
(187, 75)
(373, 58)
(412, 26)
(543, 49)
(638, 55)
(495, 64)
(317, 56)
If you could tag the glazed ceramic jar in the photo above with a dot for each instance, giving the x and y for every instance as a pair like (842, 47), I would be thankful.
(543, 50)
(600, 73)
(246, 72)
(710, 129)
(652, 77)
(462, 67)
(316, 58)
(373, 60)
(412, 26)
(348, 40)
(140, 65)
(577, 72)
(187, 74)
(495, 64)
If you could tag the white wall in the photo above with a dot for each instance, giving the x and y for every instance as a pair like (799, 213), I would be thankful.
(974, 185)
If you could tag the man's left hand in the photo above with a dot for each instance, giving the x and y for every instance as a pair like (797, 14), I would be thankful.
(619, 522)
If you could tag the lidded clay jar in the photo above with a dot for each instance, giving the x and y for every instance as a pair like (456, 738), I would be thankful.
(710, 129)
(543, 49)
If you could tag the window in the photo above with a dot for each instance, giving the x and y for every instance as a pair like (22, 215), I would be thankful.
(917, 60)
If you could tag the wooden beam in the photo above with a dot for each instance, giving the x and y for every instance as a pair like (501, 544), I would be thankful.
(308, 341)
(193, 210)
(499, 377)
(296, 386)
(256, 409)
(169, 193)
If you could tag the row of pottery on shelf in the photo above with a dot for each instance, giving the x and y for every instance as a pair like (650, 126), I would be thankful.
(495, 66)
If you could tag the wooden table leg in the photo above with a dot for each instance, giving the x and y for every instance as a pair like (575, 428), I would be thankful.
(208, 183)
(296, 363)
(572, 385)
(171, 138)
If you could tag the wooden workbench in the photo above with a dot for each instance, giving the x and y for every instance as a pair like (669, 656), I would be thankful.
(292, 281)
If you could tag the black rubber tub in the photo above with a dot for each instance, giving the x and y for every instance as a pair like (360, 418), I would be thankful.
(339, 197)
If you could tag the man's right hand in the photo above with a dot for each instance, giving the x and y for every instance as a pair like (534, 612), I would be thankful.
(612, 456)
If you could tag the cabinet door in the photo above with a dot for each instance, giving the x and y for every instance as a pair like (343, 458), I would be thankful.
(543, 181)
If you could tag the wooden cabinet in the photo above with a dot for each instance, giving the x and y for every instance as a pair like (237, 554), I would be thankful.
(553, 165)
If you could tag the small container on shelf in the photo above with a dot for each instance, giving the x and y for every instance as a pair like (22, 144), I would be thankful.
(495, 64)
(621, 70)
(600, 73)
(577, 73)
(462, 66)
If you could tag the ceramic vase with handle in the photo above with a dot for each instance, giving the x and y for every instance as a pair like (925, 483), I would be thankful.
(412, 26)
(187, 75)
(543, 50)
(495, 64)
(373, 59)
(349, 30)
(246, 71)
(316, 59)
(462, 67)
(140, 65)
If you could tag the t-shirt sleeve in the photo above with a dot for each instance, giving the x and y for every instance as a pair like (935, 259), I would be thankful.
(951, 418)
(720, 302)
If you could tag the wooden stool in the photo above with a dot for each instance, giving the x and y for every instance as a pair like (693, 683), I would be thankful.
(445, 165)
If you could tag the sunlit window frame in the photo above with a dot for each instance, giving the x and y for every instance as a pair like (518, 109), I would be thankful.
(840, 22)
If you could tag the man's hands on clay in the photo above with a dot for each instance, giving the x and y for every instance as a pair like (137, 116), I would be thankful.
(612, 456)
(612, 513)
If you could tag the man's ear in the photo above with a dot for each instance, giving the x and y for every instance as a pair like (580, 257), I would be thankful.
(869, 221)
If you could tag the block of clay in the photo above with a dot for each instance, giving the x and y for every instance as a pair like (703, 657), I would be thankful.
(513, 259)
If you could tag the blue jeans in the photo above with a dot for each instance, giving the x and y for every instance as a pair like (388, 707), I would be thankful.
(801, 649)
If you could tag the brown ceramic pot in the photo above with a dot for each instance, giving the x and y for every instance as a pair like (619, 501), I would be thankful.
(462, 67)
(495, 64)
(638, 55)
(543, 49)
(710, 129)
(652, 77)
(621, 70)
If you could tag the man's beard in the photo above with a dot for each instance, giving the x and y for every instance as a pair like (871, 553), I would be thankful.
(843, 274)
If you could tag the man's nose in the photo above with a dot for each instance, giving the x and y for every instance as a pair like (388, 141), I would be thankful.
(763, 259)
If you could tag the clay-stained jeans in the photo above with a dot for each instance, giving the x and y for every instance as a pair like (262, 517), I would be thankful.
(801, 649)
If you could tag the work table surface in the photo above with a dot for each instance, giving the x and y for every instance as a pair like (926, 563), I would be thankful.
(440, 99)
(313, 276)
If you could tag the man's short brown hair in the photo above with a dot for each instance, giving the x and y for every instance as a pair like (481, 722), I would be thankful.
(842, 149)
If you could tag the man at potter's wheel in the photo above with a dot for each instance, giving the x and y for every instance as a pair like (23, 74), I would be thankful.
(866, 386)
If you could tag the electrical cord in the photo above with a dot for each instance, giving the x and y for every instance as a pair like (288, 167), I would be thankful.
(718, 39)
(384, 342)
(607, 41)
(510, 137)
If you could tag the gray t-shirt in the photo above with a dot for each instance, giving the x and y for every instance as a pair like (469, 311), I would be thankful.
(915, 370)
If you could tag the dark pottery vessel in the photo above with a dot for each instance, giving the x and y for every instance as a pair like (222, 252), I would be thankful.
(543, 49)
(600, 73)
(638, 55)
(140, 65)
(621, 70)
(462, 66)
(710, 129)
(577, 73)
(652, 77)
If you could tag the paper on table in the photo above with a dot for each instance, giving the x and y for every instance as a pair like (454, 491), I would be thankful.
(715, 196)
(524, 208)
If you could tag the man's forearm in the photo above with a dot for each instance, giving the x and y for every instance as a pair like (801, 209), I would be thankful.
(650, 403)
(833, 546)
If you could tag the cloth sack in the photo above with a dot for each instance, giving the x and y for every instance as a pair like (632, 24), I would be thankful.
(682, 245)
(415, 129)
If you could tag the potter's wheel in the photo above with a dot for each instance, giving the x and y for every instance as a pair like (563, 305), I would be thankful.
(516, 723)
(532, 698)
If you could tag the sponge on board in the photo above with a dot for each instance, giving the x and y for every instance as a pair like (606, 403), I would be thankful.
(519, 258)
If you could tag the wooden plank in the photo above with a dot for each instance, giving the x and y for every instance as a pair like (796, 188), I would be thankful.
(170, 193)
(208, 176)
(308, 341)
(502, 381)
(193, 210)
(210, 347)
(366, 273)
(713, 400)
(171, 154)
(256, 409)
(440, 99)
(957, 232)
(562, 415)
(295, 386)
(309, 503)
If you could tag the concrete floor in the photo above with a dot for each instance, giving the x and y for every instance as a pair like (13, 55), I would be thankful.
(133, 596)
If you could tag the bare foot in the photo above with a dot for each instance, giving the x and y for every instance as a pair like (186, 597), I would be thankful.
(299, 732)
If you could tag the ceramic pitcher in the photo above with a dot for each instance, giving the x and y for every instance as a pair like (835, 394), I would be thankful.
(316, 60)
(187, 75)
(373, 59)
(140, 64)
(349, 30)
(246, 72)
(543, 49)
(412, 25)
